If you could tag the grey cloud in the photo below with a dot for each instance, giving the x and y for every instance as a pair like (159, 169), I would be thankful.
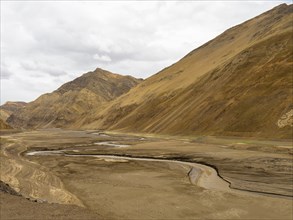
(5, 73)
(42, 68)
(102, 58)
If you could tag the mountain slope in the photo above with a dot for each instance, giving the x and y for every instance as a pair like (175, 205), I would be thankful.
(4, 126)
(67, 104)
(239, 83)
(9, 108)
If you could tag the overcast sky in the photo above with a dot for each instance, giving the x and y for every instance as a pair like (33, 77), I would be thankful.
(45, 44)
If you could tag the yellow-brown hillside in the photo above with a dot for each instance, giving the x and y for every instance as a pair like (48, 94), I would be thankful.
(239, 83)
(4, 126)
(10, 107)
(67, 104)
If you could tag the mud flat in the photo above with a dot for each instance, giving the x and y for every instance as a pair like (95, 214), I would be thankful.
(151, 178)
(199, 175)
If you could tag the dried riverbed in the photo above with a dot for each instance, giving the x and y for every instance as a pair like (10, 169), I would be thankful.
(134, 177)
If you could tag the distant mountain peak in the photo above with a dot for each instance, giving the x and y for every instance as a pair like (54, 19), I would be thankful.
(64, 106)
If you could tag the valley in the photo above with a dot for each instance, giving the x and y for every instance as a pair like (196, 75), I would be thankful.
(208, 137)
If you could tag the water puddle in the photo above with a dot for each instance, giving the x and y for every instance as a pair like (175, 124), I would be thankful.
(111, 144)
(101, 134)
(43, 153)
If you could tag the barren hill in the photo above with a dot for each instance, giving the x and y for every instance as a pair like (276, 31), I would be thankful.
(3, 125)
(67, 104)
(10, 107)
(239, 83)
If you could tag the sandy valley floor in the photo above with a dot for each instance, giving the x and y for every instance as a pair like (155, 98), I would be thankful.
(94, 175)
